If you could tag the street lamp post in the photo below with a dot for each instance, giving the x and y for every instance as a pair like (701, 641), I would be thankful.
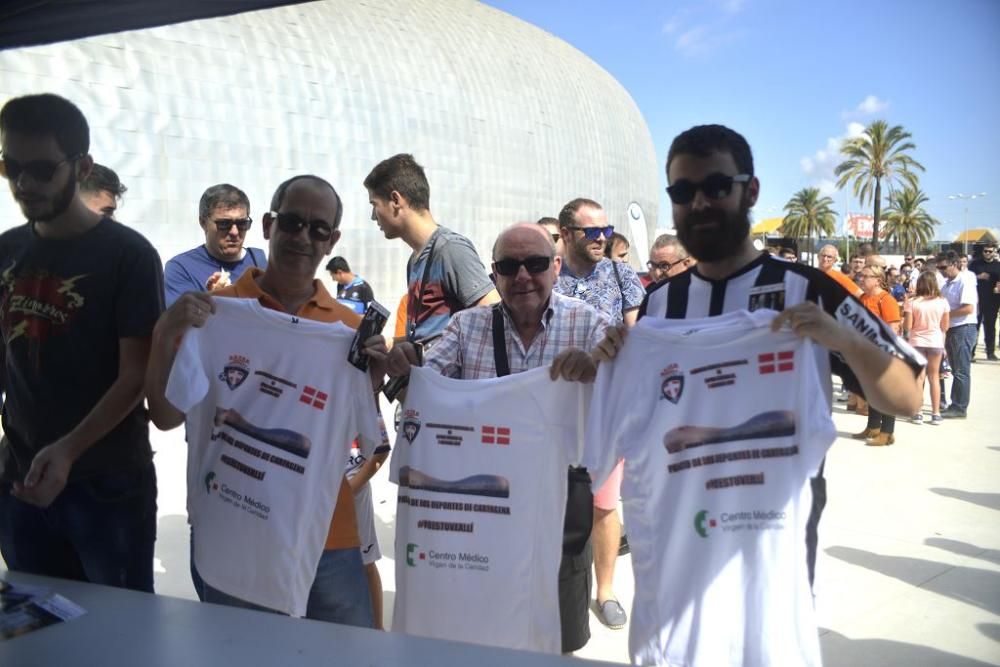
(965, 219)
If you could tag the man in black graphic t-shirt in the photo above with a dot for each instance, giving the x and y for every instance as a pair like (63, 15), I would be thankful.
(79, 295)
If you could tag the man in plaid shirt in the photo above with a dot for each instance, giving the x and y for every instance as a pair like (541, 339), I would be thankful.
(540, 328)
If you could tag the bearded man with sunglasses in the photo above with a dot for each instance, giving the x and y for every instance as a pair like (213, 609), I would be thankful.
(224, 216)
(540, 327)
(712, 189)
(79, 295)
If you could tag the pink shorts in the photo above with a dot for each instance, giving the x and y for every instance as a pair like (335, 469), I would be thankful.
(607, 496)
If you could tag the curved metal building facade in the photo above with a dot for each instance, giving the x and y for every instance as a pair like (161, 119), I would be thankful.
(509, 121)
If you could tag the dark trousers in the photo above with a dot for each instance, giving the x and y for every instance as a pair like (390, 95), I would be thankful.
(989, 308)
(101, 529)
(883, 422)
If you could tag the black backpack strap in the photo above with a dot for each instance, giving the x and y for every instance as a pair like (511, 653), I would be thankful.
(499, 343)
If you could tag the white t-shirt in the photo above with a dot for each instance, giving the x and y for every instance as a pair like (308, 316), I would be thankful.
(721, 423)
(271, 407)
(481, 468)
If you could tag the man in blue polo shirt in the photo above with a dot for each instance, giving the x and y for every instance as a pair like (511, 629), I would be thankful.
(224, 216)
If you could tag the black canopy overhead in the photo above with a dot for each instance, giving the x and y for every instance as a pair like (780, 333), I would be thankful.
(28, 22)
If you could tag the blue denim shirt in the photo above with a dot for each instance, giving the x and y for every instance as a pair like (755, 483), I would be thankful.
(600, 288)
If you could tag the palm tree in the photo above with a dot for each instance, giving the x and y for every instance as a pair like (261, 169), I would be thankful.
(878, 155)
(808, 212)
(906, 221)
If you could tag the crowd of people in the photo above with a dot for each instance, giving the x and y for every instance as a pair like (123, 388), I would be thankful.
(99, 338)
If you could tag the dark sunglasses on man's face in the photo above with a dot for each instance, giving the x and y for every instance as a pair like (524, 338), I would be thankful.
(715, 186)
(292, 223)
(594, 233)
(509, 267)
(40, 171)
(225, 224)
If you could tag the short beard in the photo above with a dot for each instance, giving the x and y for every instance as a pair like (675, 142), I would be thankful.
(717, 244)
(61, 202)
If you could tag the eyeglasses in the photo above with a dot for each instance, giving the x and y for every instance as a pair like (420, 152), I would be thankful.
(943, 267)
(509, 267)
(225, 224)
(40, 171)
(715, 186)
(594, 233)
(664, 266)
(292, 223)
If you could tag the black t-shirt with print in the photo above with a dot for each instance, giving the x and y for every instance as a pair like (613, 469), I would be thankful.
(64, 305)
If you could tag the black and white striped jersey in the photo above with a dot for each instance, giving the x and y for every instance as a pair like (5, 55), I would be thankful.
(772, 283)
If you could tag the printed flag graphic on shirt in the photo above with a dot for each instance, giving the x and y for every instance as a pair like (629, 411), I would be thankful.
(496, 435)
(781, 362)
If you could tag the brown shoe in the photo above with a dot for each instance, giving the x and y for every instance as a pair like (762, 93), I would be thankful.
(881, 440)
(867, 433)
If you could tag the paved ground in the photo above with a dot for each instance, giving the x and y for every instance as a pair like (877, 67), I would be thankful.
(909, 570)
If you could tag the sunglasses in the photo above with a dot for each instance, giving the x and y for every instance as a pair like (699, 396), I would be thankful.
(555, 238)
(40, 171)
(225, 224)
(715, 186)
(534, 265)
(594, 233)
(291, 223)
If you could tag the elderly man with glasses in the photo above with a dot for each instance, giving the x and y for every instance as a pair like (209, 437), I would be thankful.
(667, 258)
(224, 216)
(540, 328)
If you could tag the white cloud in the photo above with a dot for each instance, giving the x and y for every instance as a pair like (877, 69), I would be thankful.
(820, 165)
(869, 106)
(700, 29)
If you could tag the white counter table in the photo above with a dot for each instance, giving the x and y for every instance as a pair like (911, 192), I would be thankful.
(126, 628)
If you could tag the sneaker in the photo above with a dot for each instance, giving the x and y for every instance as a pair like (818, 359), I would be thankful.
(936, 420)
(992, 357)
(843, 396)
(952, 413)
(623, 548)
(611, 614)
(917, 418)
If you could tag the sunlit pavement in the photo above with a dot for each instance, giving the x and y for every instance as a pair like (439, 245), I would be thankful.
(909, 569)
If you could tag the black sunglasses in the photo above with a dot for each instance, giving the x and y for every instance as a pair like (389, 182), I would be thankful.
(555, 238)
(41, 171)
(292, 223)
(225, 224)
(534, 265)
(715, 186)
(594, 233)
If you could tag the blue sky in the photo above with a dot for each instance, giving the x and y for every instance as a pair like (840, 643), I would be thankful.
(795, 78)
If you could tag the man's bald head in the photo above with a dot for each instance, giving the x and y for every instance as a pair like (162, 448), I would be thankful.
(524, 231)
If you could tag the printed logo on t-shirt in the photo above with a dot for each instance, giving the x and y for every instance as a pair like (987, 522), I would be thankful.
(702, 522)
(780, 362)
(410, 548)
(210, 483)
(410, 425)
(496, 435)
(236, 371)
(672, 386)
(743, 520)
(36, 305)
(314, 397)
(455, 560)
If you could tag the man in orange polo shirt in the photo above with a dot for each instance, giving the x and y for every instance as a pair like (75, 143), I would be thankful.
(828, 258)
(301, 228)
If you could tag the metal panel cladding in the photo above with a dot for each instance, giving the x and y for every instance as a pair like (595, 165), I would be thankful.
(509, 121)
